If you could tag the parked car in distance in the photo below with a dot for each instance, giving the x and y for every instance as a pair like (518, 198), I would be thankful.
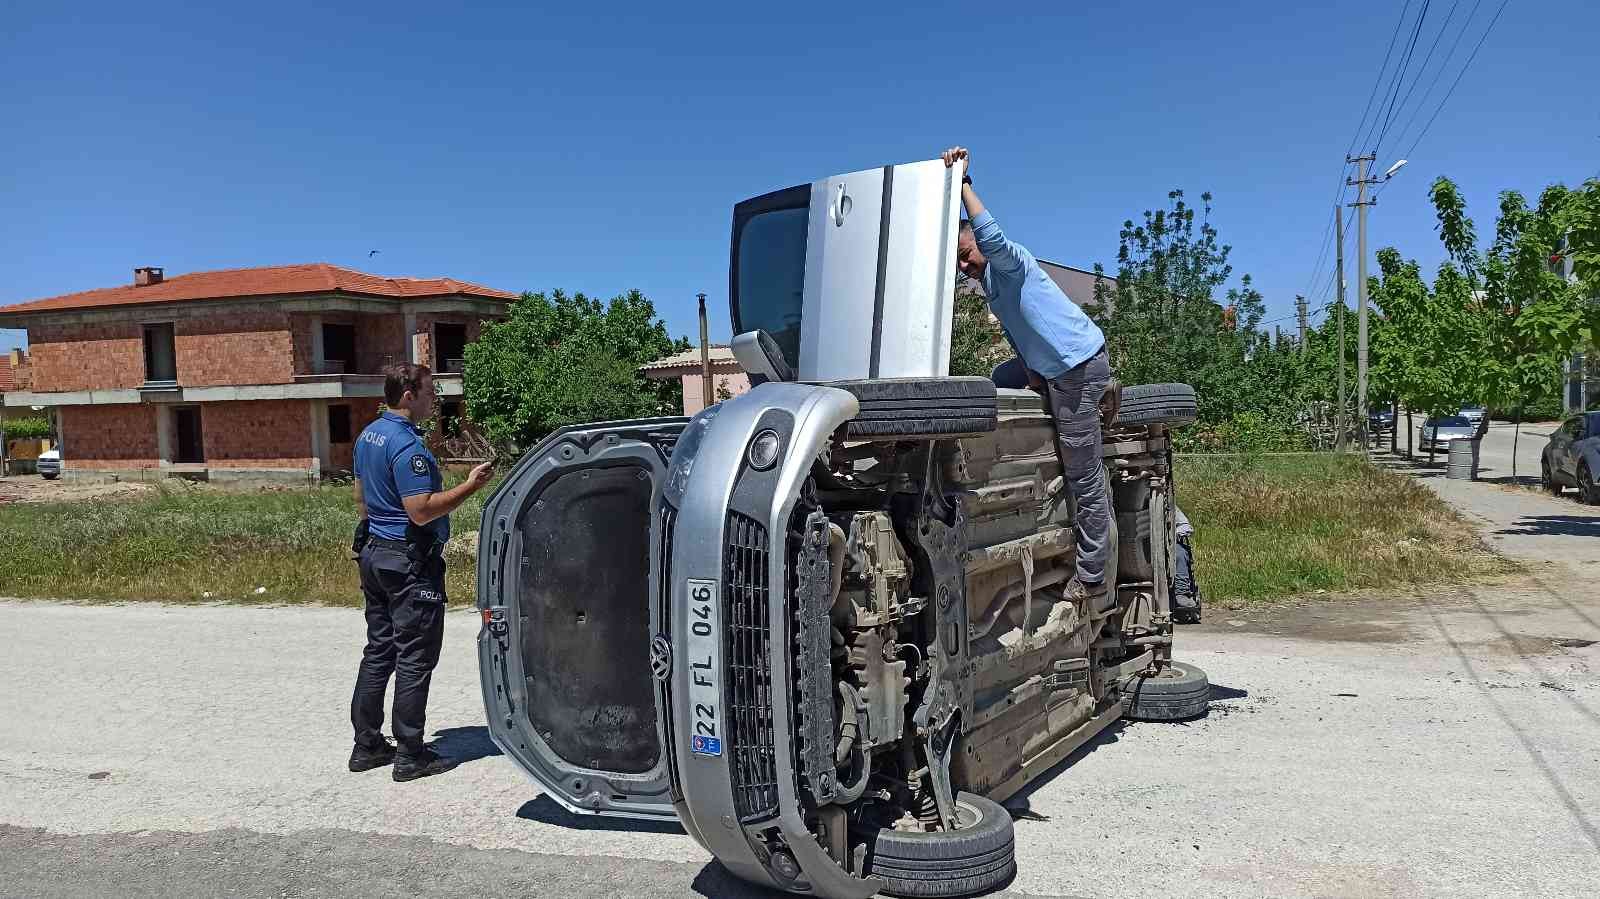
(1438, 432)
(1380, 421)
(1572, 457)
(49, 464)
(1474, 414)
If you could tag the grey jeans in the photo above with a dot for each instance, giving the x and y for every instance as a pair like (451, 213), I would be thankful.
(1075, 402)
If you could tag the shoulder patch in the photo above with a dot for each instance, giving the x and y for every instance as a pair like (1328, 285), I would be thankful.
(419, 464)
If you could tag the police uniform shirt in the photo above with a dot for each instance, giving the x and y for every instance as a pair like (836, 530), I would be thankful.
(393, 464)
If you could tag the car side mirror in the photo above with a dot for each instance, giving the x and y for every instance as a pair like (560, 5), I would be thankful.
(760, 356)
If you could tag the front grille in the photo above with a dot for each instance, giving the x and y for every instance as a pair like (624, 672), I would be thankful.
(749, 669)
(669, 519)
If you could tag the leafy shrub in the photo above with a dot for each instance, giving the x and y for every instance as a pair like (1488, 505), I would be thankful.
(27, 428)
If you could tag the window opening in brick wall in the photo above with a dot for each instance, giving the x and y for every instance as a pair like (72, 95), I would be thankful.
(338, 424)
(191, 444)
(338, 349)
(450, 345)
(450, 419)
(160, 361)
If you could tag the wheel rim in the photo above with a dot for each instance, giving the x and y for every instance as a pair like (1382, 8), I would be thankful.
(1171, 672)
(967, 816)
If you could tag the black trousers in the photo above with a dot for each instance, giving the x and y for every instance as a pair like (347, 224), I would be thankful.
(405, 628)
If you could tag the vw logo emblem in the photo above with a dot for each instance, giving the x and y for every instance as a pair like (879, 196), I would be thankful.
(660, 657)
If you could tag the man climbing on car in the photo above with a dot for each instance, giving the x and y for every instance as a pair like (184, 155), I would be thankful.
(1065, 358)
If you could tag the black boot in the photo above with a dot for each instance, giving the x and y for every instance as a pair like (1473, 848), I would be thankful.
(426, 763)
(365, 758)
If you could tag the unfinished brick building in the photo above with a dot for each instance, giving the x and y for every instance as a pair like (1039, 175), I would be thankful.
(245, 374)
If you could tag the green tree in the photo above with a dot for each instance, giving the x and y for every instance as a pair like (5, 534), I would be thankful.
(558, 360)
(977, 344)
(1425, 352)
(1166, 318)
(1527, 317)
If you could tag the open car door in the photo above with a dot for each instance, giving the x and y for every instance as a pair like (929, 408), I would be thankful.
(567, 549)
(852, 276)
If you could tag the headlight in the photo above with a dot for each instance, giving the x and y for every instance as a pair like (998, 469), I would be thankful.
(764, 449)
(684, 452)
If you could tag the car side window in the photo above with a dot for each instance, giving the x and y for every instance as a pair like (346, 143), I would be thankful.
(1574, 428)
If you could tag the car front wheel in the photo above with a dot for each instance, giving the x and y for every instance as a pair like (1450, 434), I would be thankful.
(1547, 478)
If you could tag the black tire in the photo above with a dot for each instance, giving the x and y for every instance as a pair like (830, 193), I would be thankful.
(1179, 692)
(973, 859)
(1547, 478)
(906, 408)
(1587, 494)
(1157, 404)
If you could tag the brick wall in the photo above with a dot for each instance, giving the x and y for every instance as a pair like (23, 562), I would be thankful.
(258, 434)
(109, 437)
(300, 344)
(341, 456)
(425, 323)
(211, 349)
(380, 340)
(16, 371)
(87, 356)
(234, 348)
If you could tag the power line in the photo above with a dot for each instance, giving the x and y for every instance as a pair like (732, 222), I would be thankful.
(1400, 74)
(1377, 112)
(1444, 65)
(1455, 83)
(1377, 81)
(1423, 69)
(1316, 270)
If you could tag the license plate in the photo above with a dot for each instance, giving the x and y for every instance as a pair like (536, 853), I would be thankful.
(705, 668)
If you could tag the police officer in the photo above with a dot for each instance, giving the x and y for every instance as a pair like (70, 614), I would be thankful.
(406, 513)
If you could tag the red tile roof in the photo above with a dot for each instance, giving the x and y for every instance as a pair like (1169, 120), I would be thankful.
(277, 280)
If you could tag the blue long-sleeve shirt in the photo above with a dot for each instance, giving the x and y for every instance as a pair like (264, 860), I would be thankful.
(1047, 330)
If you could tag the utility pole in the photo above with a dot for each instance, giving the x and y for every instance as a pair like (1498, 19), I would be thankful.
(1300, 311)
(706, 393)
(1361, 181)
(1338, 236)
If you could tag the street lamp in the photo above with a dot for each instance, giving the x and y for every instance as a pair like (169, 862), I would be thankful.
(1394, 168)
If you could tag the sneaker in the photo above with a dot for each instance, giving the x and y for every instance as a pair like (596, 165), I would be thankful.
(1096, 594)
(365, 758)
(1185, 609)
(422, 764)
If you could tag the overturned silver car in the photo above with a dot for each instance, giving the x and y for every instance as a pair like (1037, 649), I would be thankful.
(821, 624)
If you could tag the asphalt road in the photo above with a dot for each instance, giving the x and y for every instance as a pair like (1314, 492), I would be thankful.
(1398, 746)
(1551, 534)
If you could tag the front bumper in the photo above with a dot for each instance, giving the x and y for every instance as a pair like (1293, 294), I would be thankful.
(730, 527)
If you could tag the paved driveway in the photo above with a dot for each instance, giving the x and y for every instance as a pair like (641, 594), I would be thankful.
(1402, 746)
(1516, 518)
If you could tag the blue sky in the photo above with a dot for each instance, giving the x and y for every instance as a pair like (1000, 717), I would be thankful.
(601, 147)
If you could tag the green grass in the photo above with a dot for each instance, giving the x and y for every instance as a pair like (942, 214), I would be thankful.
(1276, 526)
(1265, 527)
(180, 543)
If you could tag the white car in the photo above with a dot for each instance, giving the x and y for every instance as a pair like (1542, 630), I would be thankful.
(1474, 414)
(1438, 432)
(49, 464)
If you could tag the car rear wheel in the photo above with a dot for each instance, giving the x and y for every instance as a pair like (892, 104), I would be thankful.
(1178, 692)
(1157, 404)
(1586, 488)
(978, 856)
(913, 408)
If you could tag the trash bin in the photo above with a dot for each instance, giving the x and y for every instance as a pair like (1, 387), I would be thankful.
(1463, 463)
